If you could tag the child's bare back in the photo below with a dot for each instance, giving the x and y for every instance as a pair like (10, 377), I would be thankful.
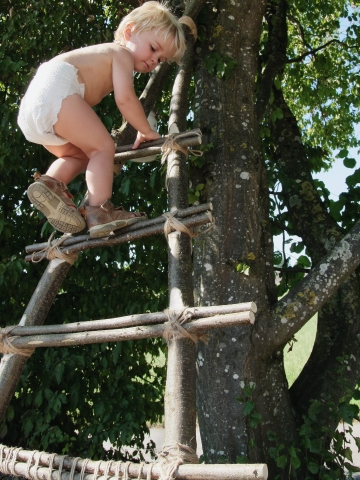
(95, 65)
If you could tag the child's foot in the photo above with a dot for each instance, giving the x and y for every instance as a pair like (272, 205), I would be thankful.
(54, 200)
(104, 219)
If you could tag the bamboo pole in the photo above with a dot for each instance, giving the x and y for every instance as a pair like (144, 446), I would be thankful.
(197, 327)
(113, 470)
(12, 365)
(131, 320)
(129, 236)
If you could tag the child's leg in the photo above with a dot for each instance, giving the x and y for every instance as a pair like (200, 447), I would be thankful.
(70, 163)
(78, 123)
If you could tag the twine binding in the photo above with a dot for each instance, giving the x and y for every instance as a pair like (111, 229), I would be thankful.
(173, 223)
(172, 456)
(6, 344)
(174, 328)
(52, 251)
(170, 145)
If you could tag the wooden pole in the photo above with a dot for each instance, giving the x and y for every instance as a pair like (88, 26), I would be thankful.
(180, 392)
(73, 240)
(12, 365)
(196, 327)
(123, 153)
(184, 472)
(129, 236)
(139, 319)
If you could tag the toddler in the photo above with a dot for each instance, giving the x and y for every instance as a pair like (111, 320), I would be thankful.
(56, 113)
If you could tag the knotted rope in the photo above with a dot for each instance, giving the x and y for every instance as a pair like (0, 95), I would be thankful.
(170, 145)
(53, 251)
(7, 461)
(169, 459)
(174, 328)
(6, 345)
(173, 223)
(172, 456)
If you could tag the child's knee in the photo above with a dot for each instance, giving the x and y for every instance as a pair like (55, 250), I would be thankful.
(106, 150)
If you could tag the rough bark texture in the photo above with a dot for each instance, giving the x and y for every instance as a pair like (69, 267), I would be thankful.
(224, 110)
(180, 393)
(233, 262)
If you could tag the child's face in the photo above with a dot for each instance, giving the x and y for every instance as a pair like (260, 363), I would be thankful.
(148, 49)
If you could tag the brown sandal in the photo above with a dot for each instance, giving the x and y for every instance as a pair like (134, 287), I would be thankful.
(54, 200)
(104, 219)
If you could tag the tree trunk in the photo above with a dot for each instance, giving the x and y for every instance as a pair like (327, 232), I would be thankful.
(230, 260)
(233, 261)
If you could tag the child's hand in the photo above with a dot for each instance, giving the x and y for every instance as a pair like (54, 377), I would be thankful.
(145, 138)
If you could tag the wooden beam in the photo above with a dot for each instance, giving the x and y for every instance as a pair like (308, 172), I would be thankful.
(20, 467)
(196, 327)
(132, 320)
(123, 153)
(154, 228)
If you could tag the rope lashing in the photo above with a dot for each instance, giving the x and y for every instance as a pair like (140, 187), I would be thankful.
(51, 463)
(174, 328)
(9, 459)
(29, 464)
(52, 251)
(118, 469)
(6, 345)
(173, 223)
(73, 468)
(149, 472)
(172, 456)
(170, 145)
(61, 465)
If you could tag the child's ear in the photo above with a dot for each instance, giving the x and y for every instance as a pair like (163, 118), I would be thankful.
(128, 30)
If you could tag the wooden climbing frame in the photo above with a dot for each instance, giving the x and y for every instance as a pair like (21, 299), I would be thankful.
(181, 325)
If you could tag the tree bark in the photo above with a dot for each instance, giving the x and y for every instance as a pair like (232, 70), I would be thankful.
(180, 393)
(230, 261)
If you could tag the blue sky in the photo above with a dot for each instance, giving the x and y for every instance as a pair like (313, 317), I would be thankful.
(334, 179)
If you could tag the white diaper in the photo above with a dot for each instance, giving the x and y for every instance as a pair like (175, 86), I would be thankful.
(39, 109)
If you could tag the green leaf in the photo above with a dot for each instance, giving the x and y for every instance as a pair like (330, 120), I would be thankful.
(10, 412)
(242, 459)
(304, 261)
(349, 162)
(281, 462)
(343, 153)
(248, 407)
(313, 467)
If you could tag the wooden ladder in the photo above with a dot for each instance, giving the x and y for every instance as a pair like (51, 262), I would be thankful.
(181, 325)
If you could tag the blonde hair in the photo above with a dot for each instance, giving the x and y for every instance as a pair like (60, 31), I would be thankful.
(155, 16)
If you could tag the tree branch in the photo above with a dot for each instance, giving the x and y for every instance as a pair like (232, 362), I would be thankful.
(303, 301)
(313, 51)
(276, 57)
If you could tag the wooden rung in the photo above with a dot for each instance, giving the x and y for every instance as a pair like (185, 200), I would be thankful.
(196, 327)
(136, 320)
(191, 217)
(123, 153)
(21, 467)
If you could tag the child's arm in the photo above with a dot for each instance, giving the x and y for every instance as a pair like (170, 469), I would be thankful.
(126, 99)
